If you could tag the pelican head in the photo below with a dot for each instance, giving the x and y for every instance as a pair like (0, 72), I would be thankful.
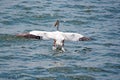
(57, 24)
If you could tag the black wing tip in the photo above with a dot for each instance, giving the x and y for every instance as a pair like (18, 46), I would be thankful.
(28, 36)
(85, 39)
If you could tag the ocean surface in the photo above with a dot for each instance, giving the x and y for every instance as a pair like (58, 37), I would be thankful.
(30, 59)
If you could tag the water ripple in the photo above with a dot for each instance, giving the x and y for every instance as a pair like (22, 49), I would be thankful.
(24, 59)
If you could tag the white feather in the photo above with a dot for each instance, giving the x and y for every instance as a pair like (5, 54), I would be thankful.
(57, 35)
(44, 34)
(72, 36)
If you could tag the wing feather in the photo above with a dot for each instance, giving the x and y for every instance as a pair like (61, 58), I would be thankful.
(45, 35)
(72, 36)
(57, 35)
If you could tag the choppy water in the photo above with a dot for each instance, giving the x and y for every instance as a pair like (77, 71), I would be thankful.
(23, 59)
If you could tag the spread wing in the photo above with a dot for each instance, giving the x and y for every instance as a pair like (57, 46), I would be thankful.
(72, 36)
(59, 36)
(45, 35)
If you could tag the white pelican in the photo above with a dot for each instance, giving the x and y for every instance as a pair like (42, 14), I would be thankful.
(58, 37)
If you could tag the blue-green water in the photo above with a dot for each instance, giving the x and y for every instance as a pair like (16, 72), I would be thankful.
(23, 59)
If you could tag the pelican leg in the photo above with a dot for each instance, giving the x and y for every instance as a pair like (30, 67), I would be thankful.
(63, 46)
(54, 45)
(63, 49)
(63, 43)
